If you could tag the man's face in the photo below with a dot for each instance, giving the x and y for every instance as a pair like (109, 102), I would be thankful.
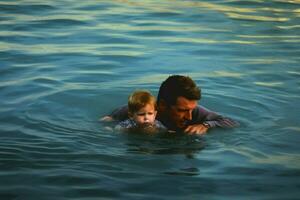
(181, 112)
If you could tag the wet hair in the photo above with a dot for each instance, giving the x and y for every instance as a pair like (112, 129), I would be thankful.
(140, 99)
(178, 86)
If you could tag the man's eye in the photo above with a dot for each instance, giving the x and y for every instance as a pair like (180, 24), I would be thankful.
(141, 114)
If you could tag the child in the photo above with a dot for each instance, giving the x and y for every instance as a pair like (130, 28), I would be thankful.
(142, 113)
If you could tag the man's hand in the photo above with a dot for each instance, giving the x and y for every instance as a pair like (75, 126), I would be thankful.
(106, 119)
(198, 129)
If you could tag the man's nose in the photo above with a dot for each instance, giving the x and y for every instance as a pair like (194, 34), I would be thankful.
(188, 115)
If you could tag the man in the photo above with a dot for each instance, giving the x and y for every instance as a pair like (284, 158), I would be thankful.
(178, 109)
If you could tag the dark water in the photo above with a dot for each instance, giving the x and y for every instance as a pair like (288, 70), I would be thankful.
(65, 63)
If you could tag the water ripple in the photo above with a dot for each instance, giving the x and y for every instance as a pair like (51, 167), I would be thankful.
(13, 8)
(63, 64)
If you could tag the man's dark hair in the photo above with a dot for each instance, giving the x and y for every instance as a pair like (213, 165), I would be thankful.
(178, 86)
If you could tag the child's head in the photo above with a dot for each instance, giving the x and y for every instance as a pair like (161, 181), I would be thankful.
(142, 107)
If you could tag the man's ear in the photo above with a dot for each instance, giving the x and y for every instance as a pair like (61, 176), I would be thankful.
(130, 115)
(161, 106)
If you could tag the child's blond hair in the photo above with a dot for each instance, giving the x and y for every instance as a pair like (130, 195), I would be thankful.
(139, 99)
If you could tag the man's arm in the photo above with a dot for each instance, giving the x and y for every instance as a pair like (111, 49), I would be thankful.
(212, 119)
(119, 114)
(203, 119)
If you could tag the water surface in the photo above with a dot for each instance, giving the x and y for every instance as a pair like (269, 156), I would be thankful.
(63, 64)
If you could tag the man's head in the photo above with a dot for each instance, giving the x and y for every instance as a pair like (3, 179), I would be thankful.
(177, 97)
(142, 107)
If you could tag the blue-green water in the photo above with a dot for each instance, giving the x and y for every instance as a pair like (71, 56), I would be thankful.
(63, 64)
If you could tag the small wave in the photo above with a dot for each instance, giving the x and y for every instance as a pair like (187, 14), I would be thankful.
(48, 23)
(256, 18)
(25, 9)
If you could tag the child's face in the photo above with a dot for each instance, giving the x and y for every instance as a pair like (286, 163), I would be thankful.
(145, 115)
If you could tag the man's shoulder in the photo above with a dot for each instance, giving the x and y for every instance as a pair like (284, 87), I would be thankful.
(120, 113)
(200, 109)
(200, 113)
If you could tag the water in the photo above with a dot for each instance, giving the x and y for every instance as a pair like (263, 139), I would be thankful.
(64, 64)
